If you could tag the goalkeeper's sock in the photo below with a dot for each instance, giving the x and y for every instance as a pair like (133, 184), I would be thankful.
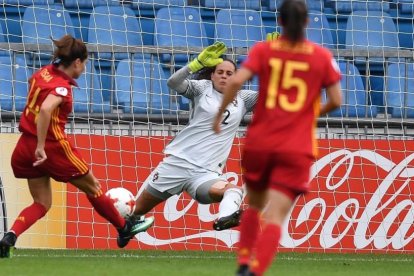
(266, 247)
(249, 229)
(230, 203)
(28, 217)
(104, 206)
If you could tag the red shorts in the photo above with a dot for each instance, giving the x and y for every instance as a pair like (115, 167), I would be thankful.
(285, 172)
(62, 164)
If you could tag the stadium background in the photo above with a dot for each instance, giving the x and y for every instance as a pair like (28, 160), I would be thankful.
(362, 198)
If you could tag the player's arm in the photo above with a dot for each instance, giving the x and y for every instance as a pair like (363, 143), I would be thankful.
(43, 121)
(209, 57)
(230, 91)
(334, 98)
(332, 83)
(178, 81)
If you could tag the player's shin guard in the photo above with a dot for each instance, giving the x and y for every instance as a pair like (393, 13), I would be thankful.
(28, 217)
(266, 247)
(249, 229)
(103, 205)
(230, 203)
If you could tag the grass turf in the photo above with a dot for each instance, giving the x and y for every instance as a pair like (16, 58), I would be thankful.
(181, 263)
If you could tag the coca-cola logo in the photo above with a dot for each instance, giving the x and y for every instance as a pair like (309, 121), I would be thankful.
(360, 200)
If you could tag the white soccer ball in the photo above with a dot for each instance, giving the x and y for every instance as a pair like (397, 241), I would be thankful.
(123, 201)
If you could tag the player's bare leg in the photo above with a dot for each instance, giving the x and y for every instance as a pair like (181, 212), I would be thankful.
(41, 191)
(145, 202)
(230, 197)
(127, 229)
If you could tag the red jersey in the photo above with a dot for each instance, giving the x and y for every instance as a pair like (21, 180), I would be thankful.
(290, 83)
(48, 80)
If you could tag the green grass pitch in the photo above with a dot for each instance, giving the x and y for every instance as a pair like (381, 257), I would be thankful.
(181, 263)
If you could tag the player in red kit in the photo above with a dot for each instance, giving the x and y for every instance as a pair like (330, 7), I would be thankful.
(43, 150)
(280, 143)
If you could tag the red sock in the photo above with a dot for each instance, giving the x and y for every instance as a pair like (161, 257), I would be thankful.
(249, 228)
(103, 205)
(28, 217)
(266, 248)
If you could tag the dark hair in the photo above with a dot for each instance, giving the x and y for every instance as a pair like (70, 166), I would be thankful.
(293, 17)
(205, 73)
(69, 49)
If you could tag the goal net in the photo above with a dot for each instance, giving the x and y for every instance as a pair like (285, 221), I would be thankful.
(124, 115)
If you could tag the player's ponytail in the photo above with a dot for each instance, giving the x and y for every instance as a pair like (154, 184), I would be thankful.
(293, 17)
(69, 49)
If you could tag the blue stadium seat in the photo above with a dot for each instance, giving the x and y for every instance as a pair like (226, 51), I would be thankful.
(14, 86)
(41, 22)
(354, 96)
(2, 40)
(405, 6)
(27, 2)
(239, 28)
(346, 6)
(316, 5)
(148, 86)
(404, 20)
(179, 27)
(87, 97)
(229, 4)
(114, 26)
(157, 4)
(88, 4)
(318, 29)
(371, 30)
(399, 91)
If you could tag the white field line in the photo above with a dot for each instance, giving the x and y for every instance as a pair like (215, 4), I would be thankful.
(280, 257)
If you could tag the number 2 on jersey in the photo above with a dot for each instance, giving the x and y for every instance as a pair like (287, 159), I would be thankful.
(227, 115)
(288, 81)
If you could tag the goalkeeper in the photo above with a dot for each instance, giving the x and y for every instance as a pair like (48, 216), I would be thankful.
(196, 157)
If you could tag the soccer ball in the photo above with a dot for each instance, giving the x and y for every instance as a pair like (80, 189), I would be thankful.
(123, 201)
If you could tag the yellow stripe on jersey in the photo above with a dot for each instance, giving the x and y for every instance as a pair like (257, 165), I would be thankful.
(79, 164)
(82, 167)
(55, 125)
(316, 109)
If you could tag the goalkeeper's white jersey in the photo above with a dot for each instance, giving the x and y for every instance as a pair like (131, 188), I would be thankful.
(197, 143)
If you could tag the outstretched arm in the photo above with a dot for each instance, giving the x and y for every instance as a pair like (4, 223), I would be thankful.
(178, 81)
(209, 57)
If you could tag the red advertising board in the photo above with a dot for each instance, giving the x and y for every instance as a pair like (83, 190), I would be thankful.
(361, 200)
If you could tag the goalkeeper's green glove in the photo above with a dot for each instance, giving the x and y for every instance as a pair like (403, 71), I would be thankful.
(209, 57)
(272, 36)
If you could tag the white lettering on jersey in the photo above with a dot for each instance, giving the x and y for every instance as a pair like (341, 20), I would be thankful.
(63, 91)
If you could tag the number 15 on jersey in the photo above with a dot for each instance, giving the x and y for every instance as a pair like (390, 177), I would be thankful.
(288, 81)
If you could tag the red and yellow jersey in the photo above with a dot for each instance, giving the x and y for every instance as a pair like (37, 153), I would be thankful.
(48, 80)
(290, 83)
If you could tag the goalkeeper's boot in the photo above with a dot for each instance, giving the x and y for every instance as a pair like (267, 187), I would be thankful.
(244, 271)
(230, 221)
(132, 227)
(7, 245)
